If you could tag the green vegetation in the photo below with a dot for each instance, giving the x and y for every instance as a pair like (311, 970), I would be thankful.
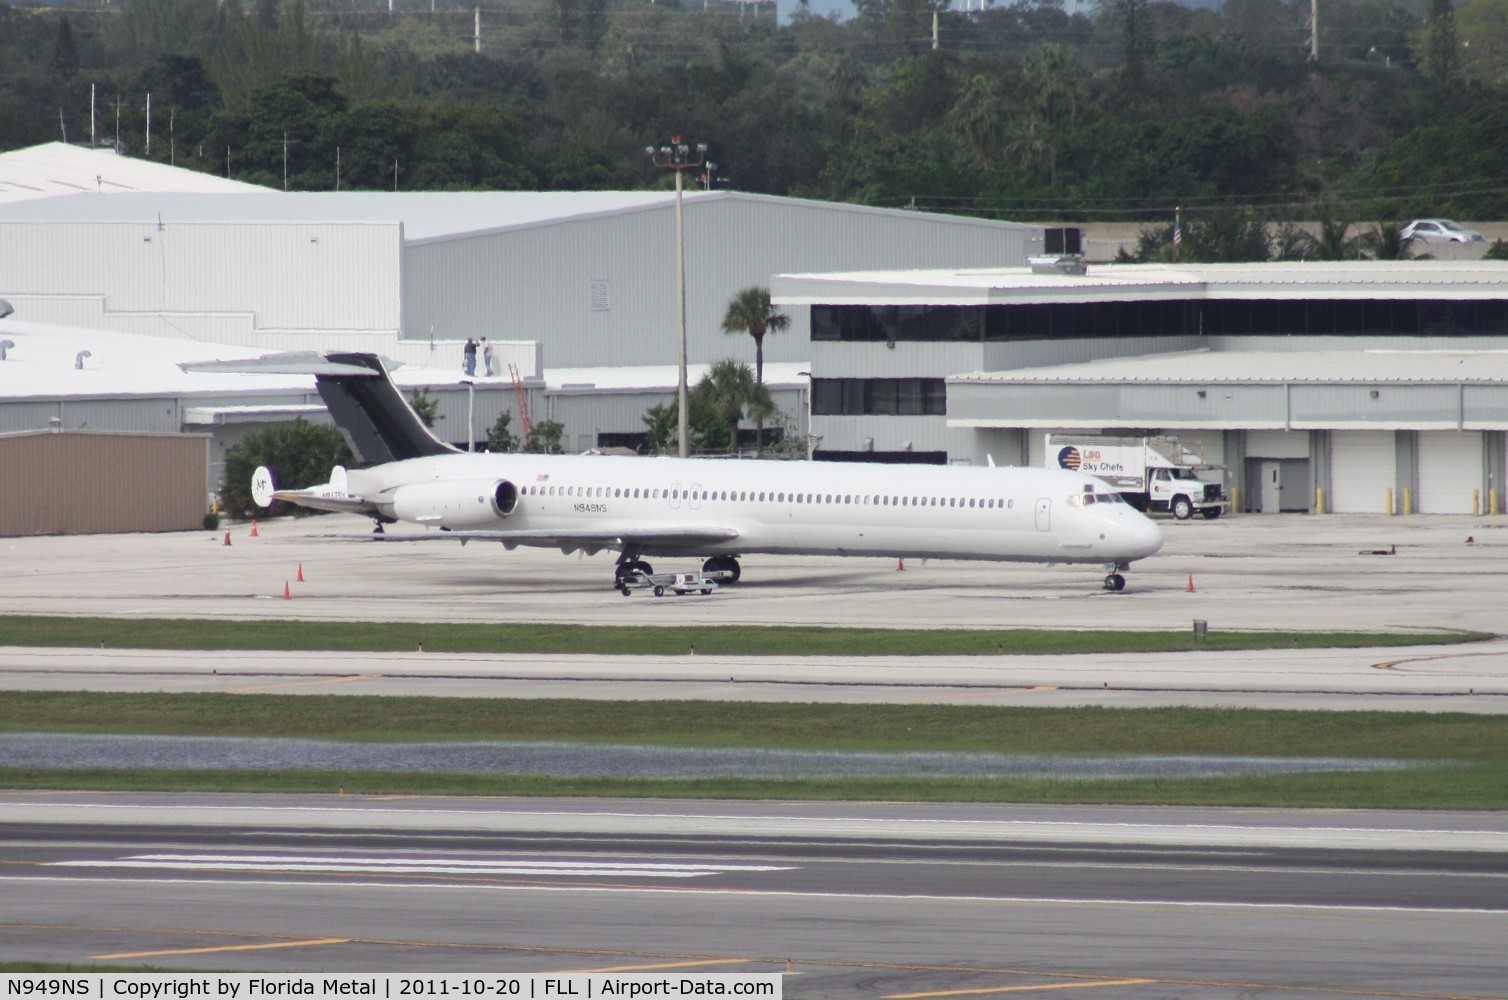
(718, 640)
(299, 454)
(1463, 759)
(1023, 111)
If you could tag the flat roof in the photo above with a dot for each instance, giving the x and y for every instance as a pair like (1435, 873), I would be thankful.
(661, 378)
(1371, 279)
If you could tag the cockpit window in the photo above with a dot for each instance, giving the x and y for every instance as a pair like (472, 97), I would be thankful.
(1090, 497)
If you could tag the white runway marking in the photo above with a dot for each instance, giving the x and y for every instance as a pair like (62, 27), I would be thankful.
(412, 866)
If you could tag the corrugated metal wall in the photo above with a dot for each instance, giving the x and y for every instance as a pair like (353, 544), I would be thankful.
(224, 278)
(602, 291)
(86, 483)
(158, 415)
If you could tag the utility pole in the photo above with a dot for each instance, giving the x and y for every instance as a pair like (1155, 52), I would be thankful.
(1314, 31)
(680, 158)
(149, 124)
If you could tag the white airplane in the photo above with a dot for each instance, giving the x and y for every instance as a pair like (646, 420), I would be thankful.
(714, 510)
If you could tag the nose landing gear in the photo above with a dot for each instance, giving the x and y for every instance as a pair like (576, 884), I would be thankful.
(1115, 582)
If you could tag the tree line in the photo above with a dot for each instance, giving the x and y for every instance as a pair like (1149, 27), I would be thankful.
(1025, 111)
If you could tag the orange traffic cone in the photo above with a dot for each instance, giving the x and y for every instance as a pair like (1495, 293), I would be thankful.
(300, 572)
(227, 538)
(287, 594)
(900, 566)
(1191, 583)
(253, 528)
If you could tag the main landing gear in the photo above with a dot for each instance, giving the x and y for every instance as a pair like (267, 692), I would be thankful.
(629, 565)
(629, 562)
(723, 564)
(1115, 582)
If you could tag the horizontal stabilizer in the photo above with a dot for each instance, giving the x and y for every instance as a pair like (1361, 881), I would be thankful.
(290, 363)
(318, 499)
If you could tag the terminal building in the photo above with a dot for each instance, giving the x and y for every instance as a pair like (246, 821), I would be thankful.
(1345, 387)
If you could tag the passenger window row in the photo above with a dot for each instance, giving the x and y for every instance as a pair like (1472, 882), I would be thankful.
(762, 496)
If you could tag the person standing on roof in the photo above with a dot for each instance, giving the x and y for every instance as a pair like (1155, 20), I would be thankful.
(487, 358)
(468, 356)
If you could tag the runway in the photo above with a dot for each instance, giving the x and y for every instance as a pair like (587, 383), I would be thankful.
(856, 900)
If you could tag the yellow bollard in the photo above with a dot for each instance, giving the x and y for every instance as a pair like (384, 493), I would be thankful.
(1408, 499)
(1492, 501)
(1319, 500)
(1235, 500)
(1476, 502)
(1390, 510)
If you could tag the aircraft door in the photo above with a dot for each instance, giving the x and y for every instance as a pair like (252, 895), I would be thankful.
(1044, 514)
(674, 493)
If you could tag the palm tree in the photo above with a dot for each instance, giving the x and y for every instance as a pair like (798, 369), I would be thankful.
(750, 312)
(1051, 78)
(726, 391)
(1386, 242)
(1334, 241)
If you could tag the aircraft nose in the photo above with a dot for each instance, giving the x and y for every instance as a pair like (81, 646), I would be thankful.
(1143, 536)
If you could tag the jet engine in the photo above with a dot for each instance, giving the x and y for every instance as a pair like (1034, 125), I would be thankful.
(455, 503)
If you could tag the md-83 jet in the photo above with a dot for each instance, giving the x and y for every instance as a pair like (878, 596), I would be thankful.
(716, 511)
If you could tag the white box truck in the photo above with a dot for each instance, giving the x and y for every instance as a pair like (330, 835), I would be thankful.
(1151, 473)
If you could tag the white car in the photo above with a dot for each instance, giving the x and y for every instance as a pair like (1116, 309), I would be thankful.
(1438, 231)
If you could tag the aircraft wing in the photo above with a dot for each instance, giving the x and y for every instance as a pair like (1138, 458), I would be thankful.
(606, 536)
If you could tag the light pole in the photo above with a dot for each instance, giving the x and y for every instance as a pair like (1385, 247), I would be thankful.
(680, 157)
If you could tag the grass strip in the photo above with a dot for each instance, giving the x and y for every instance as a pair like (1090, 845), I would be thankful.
(1457, 787)
(717, 640)
(1462, 759)
(850, 727)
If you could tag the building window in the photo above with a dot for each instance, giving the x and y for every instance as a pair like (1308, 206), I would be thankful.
(857, 397)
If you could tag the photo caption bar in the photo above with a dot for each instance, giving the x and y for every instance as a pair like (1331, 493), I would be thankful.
(384, 986)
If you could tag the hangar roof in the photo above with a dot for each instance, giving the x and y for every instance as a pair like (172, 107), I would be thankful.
(54, 168)
(1212, 367)
(425, 216)
(1369, 279)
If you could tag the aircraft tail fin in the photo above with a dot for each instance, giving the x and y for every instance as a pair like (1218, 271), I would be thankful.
(376, 420)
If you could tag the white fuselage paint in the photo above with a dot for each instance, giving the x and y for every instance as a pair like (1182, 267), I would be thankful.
(813, 508)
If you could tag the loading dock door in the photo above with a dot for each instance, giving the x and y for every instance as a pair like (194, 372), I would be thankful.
(1363, 467)
(1450, 467)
